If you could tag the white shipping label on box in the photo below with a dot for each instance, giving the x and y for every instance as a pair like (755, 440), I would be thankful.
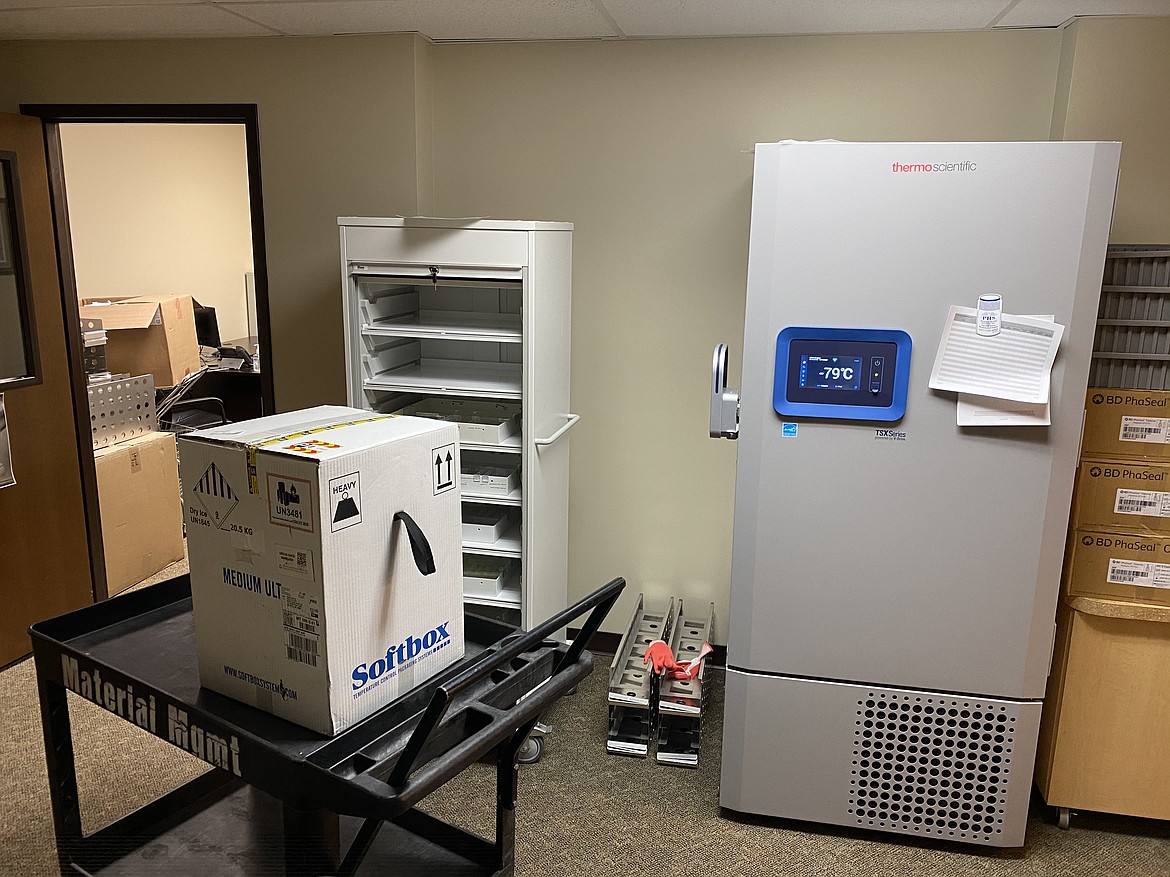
(1155, 430)
(1155, 503)
(308, 600)
(1138, 572)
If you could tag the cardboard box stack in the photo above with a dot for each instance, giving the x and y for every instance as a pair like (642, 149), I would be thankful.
(137, 473)
(152, 335)
(1103, 744)
(1119, 547)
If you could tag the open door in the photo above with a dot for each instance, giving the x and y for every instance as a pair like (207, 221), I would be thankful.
(44, 548)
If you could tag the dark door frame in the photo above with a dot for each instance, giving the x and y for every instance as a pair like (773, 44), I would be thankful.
(54, 115)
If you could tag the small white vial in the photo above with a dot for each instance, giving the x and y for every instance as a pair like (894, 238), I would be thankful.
(987, 314)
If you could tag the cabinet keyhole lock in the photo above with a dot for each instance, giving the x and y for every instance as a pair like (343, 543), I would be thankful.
(434, 276)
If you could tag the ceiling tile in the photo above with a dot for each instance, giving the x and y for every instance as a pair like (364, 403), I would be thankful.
(438, 19)
(681, 18)
(1051, 13)
(125, 22)
(6, 5)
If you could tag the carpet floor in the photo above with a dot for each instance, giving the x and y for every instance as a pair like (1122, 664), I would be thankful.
(581, 811)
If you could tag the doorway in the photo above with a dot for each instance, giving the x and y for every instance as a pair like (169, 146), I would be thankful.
(78, 140)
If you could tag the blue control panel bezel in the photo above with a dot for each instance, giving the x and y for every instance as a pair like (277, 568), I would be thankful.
(883, 400)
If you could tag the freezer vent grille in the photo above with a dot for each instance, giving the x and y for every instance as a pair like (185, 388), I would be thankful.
(931, 765)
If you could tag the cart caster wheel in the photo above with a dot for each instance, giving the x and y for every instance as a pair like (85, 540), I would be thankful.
(531, 751)
(1063, 818)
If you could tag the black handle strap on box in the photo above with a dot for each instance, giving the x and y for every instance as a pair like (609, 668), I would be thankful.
(420, 547)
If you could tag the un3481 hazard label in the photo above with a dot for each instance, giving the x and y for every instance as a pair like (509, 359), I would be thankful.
(1138, 572)
(1155, 430)
(1154, 503)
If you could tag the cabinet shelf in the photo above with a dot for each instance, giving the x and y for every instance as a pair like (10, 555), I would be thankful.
(507, 545)
(481, 380)
(515, 498)
(458, 325)
(508, 598)
(510, 445)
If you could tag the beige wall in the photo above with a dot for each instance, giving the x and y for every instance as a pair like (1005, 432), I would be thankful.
(161, 209)
(1119, 89)
(644, 147)
(337, 136)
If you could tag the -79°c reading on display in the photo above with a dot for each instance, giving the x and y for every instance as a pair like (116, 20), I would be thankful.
(830, 372)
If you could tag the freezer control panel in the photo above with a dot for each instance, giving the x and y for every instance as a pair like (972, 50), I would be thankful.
(841, 374)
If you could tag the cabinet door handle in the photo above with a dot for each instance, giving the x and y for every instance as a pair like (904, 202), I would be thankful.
(569, 424)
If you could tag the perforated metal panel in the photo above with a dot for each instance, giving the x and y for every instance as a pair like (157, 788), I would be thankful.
(932, 765)
(121, 409)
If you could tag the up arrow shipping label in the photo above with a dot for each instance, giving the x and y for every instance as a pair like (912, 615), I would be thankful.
(443, 468)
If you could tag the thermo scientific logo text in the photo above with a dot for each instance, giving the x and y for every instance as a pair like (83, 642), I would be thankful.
(942, 167)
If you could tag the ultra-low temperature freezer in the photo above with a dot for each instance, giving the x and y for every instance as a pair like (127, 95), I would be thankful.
(894, 575)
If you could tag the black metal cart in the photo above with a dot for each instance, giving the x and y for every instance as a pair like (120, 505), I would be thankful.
(282, 799)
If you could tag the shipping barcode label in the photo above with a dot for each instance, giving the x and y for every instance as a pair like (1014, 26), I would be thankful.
(1138, 572)
(301, 614)
(1155, 430)
(1154, 503)
(301, 648)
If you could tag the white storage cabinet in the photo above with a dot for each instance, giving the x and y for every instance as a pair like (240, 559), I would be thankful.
(469, 321)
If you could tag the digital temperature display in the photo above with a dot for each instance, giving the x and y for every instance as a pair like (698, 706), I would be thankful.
(841, 374)
(830, 372)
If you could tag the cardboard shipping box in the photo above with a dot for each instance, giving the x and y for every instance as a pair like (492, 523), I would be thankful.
(308, 535)
(1103, 743)
(1118, 566)
(148, 335)
(142, 515)
(1127, 423)
(1126, 496)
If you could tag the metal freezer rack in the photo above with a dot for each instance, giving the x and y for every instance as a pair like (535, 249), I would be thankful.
(643, 704)
(1131, 349)
(282, 799)
(633, 687)
(681, 701)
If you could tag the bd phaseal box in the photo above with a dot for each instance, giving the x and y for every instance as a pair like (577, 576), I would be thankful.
(326, 560)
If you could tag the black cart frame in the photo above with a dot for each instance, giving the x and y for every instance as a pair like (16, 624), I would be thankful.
(134, 656)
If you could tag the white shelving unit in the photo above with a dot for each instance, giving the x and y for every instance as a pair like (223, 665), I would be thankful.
(475, 313)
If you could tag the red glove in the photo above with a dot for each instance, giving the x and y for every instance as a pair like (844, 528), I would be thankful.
(658, 653)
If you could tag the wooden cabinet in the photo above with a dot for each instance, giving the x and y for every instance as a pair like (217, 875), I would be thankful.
(469, 322)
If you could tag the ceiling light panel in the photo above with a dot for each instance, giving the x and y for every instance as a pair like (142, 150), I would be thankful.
(441, 20)
(693, 18)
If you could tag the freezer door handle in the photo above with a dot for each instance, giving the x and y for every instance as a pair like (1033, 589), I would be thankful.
(724, 402)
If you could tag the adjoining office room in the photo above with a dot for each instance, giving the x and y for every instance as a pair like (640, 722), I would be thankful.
(717, 439)
(161, 245)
